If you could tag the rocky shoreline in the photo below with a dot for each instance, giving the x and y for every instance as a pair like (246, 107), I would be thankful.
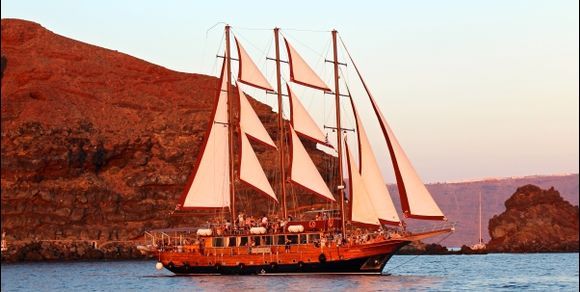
(48, 251)
(51, 251)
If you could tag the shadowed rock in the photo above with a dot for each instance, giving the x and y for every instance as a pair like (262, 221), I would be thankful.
(535, 220)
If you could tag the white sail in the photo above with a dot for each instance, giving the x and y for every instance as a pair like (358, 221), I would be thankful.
(248, 72)
(251, 171)
(416, 200)
(371, 174)
(250, 123)
(300, 71)
(302, 121)
(209, 183)
(303, 172)
(363, 209)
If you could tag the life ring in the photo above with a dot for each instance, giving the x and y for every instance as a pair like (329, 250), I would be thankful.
(322, 258)
(312, 224)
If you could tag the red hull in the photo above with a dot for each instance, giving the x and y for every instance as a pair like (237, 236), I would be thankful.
(307, 258)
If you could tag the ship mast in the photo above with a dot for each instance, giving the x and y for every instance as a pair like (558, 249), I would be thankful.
(281, 133)
(230, 123)
(480, 237)
(340, 186)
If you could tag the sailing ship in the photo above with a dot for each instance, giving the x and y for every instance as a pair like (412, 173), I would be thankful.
(480, 246)
(359, 235)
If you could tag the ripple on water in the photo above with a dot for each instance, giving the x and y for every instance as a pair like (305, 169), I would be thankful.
(508, 272)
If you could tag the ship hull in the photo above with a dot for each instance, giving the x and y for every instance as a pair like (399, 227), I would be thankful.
(360, 259)
(352, 266)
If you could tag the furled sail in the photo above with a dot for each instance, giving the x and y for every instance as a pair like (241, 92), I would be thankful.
(362, 209)
(250, 123)
(248, 72)
(300, 71)
(373, 179)
(303, 172)
(251, 171)
(416, 200)
(209, 184)
(302, 121)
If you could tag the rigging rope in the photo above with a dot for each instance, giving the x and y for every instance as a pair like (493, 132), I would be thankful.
(420, 254)
(202, 57)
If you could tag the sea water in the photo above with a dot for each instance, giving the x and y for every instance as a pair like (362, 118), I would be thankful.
(497, 272)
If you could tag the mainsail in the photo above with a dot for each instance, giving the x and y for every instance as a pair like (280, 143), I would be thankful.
(303, 172)
(300, 71)
(302, 122)
(363, 209)
(416, 201)
(372, 177)
(208, 185)
(248, 72)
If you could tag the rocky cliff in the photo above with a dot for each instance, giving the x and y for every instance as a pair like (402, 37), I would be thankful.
(96, 144)
(535, 220)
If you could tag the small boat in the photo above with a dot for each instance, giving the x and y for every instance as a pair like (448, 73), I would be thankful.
(480, 246)
(357, 236)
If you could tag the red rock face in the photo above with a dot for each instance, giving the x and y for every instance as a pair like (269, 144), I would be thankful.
(97, 144)
(535, 220)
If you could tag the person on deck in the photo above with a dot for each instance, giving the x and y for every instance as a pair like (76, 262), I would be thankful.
(241, 220)
(228, 227)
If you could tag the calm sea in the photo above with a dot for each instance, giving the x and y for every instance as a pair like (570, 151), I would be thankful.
(513, 272)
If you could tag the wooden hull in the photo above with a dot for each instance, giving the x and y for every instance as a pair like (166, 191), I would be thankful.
(365, 258)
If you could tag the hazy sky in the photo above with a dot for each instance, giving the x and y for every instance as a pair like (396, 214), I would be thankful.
(472, 89)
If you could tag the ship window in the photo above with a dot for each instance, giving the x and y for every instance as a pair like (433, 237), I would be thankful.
(232, 241)
(218, 242)
(257, 240)
(313, 238)
(267, 240)
(293, 239)
(281, 240)
(302, 238)
(243, 241)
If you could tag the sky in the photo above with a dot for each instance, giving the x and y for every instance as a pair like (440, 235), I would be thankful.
(472, 89)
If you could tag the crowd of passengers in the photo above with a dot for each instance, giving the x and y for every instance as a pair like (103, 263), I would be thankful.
(244, 223)
(275, 225)
(330, 236)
